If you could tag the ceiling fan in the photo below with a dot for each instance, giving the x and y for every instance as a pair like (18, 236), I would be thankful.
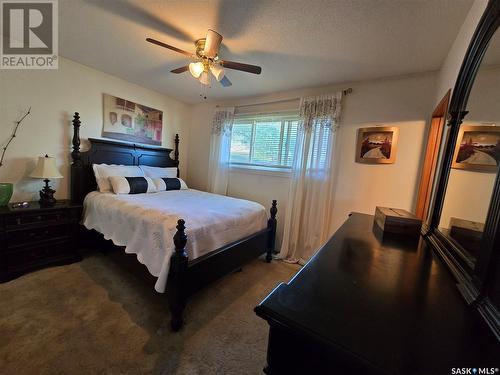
(206, 61)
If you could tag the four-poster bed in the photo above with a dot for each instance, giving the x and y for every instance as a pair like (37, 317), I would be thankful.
(185, 276)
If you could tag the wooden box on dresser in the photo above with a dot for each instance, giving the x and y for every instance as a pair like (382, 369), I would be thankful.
(35, 237)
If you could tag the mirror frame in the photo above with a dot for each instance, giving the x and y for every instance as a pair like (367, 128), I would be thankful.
(472, 278)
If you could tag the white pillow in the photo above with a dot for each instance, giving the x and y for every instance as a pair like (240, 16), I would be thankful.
(132, 185)
(103, 171)
(159, 172)
(169, 183)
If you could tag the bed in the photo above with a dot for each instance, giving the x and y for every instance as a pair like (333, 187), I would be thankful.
(185, 238)
(145, 223)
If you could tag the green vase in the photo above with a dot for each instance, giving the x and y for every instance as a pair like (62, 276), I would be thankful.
(6, 190)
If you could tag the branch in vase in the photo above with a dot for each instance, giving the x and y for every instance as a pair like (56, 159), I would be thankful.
(18, 123)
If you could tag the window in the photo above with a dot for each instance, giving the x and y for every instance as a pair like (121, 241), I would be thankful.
(264, 140)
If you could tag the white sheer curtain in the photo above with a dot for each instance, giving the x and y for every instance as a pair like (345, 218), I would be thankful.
(308, 222)
(220, 145)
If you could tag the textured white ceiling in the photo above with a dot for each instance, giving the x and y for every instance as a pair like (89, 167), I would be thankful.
(298, 43)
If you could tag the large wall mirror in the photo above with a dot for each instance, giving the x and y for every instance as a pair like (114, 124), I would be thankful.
(464, 226)
(476, 157)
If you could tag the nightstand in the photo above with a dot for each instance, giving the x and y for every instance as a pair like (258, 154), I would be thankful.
(36, 237)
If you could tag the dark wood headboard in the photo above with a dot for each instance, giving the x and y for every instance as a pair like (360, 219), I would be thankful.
(112, 152)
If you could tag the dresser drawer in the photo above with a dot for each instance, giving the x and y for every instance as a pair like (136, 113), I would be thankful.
(23, 237)
(36, 255)
(43, 218)
(36, 237)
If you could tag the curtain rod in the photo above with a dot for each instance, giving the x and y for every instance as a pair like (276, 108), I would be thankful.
(346, 91)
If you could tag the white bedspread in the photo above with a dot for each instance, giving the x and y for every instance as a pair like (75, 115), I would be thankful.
(145, 223)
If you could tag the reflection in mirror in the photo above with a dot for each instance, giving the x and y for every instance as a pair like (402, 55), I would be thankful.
(476, 159)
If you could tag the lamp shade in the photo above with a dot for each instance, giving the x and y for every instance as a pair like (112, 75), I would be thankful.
(204, 79)
(217, 71)
(196, 69)
(46, 168)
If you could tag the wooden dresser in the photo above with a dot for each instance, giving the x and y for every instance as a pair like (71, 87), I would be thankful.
(364, 305)
(35, 237)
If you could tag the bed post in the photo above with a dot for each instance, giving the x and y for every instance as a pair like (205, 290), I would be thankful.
(176, 152)
(76, 156)
(176, 293)
(271, 224)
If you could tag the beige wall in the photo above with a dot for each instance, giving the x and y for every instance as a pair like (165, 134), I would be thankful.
(54, 96)
(405, 102)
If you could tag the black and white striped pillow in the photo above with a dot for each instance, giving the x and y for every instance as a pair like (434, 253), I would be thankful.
(164, 184)
(132, 185)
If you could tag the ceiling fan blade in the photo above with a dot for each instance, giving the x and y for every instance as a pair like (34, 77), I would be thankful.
(182, 69)
(212, 43)
(225, 82)
(240, 66)
(165, 45)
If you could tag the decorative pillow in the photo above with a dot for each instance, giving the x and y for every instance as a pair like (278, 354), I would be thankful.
(102, 172)
(163, 184)
(132, 185)
(159, 172)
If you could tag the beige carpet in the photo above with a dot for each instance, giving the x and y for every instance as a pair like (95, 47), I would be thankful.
(94, 317)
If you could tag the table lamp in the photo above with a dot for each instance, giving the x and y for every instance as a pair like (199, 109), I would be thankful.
(46, 168)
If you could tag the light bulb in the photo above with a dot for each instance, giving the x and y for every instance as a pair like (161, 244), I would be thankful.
(196, 69)
(204, 78)
(217, 71)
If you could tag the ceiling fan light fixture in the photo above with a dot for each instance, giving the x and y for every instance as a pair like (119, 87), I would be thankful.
(206, 61)
(204, 78)
(196, 68)
(217, 71)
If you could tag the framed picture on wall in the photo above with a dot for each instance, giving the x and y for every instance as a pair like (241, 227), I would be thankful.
(132, 122)
(377, 145)
(477, 148)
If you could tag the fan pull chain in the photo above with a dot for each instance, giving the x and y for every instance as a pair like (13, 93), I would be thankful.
(204, 90)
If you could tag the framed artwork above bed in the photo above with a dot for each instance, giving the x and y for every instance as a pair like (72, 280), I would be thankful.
(132, 122)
